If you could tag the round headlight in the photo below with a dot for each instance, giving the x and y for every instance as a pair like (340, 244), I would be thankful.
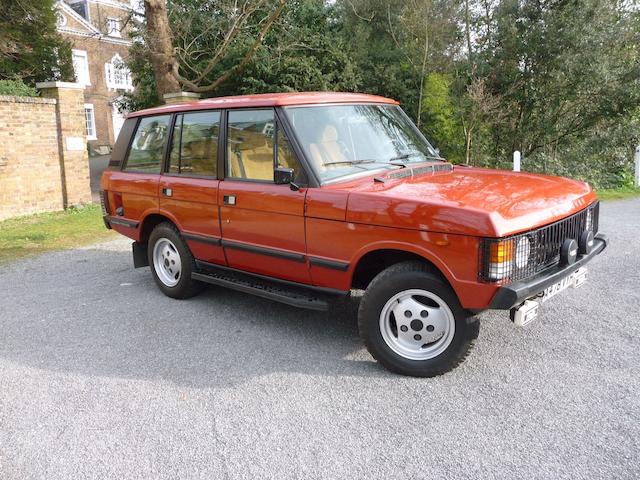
(523, 250)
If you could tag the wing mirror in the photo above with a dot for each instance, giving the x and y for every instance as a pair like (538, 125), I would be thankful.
(283, 176)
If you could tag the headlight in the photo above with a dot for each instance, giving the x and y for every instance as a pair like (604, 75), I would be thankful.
(523, 251)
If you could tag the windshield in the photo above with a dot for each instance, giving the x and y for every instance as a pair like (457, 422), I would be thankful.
(342, 140)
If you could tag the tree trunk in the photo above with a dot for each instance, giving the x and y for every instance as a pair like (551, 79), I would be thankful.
(159, 38)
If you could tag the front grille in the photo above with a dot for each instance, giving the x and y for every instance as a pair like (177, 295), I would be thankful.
(543, 245)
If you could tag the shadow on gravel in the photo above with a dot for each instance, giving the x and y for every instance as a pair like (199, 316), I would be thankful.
(107, 319)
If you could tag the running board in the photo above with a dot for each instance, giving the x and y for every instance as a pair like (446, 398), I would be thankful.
(294, 296)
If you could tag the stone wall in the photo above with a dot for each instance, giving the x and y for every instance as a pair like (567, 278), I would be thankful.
(43, 156)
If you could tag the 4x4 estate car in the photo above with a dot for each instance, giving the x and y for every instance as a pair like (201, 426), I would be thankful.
(301, 196)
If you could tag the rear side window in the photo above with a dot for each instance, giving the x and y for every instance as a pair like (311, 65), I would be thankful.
(147, 148)
(194, 148)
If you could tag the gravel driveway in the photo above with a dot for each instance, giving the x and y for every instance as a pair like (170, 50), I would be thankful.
(101, 376)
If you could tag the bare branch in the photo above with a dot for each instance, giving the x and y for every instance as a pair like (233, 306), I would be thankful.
(194, 85)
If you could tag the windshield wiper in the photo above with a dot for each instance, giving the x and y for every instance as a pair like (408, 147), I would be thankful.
(351, 162)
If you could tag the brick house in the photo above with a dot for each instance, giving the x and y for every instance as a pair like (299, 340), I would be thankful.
(98, 31)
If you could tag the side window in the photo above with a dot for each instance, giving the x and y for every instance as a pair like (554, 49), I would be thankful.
(147, 148)
(250, 144)
(194, 148)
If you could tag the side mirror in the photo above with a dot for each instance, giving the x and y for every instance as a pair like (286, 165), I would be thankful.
(283, 176)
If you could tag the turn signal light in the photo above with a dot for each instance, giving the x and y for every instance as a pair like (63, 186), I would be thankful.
(501, 252)
(500, 259)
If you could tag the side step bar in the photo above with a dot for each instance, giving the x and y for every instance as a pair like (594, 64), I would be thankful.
(273, 290)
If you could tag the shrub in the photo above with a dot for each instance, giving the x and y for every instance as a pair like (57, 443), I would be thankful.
(17, 88)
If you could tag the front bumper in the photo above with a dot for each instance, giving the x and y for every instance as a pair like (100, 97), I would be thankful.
(514, 294)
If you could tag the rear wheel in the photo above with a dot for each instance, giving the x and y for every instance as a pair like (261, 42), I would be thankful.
(412, 322)
(172, 263)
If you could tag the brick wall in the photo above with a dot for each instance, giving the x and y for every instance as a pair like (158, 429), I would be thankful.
(38, 170)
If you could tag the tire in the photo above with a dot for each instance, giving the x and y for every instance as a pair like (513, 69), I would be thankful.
(423, 308)
(172, 263)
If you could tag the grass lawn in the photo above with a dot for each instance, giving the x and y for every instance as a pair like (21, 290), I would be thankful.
(618, 193)
(33, 234)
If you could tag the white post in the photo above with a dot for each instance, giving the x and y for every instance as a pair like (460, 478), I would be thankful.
(516, 161)
(637, 177)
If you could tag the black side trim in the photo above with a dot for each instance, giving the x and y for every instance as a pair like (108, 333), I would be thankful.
(294, 257)
(511, 295)
(212, 267)
(105, 219)
(201, 239)
(264, 290)
(324, 263)
(122, 222)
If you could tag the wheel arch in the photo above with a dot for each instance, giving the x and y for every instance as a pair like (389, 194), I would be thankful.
(151, 221)
(379, 257)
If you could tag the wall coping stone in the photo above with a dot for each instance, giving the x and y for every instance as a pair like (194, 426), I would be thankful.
(41, 85)
(177, 97)
(17, 99)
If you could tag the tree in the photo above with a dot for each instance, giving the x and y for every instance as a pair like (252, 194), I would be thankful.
(158, 38)
(191, 44)
(30, 47)
(561, 68)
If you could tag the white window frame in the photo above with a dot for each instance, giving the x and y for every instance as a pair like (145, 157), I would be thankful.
(110, 74)
(92, 124)
(114, 32)
(85, 79)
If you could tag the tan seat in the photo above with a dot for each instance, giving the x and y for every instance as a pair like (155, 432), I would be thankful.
(251, 157)
(327, 150)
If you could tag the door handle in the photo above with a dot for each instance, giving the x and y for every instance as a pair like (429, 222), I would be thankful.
(229, 199)
(167, 192)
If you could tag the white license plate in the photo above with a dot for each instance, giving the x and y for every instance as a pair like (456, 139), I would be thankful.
(575, 280)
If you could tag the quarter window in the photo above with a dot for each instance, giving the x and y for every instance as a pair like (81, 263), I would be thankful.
(147, 148)
(286, 157)
(194, 149)
(250, 144)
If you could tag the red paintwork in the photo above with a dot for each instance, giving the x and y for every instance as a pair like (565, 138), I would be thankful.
(438, 216)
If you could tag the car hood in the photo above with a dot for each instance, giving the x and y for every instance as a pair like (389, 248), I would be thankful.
(469, 201)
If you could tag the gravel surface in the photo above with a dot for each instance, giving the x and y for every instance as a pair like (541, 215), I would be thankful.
(102, 376)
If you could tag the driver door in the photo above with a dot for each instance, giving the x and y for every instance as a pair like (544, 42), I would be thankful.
(263, 228)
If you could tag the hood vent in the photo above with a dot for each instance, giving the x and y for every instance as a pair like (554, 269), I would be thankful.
(412, 172)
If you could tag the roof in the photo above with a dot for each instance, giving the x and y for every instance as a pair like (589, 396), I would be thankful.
(267, 100)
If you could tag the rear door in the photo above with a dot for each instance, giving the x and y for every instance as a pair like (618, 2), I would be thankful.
(263, 227)
(133, 191)
(189, 186)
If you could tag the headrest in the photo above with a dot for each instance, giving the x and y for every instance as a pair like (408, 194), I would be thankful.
(330, 134)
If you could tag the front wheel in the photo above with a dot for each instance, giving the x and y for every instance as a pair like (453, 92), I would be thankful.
(412, 322)
(172, 263)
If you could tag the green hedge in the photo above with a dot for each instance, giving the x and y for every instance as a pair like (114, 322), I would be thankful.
(17, 88)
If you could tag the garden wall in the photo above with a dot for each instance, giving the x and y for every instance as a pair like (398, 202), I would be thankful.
(43, 156)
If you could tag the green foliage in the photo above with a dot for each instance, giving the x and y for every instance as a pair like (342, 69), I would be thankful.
(17, 88)
(304, 52)
(30, 46)
(146, 93)
(441, 117)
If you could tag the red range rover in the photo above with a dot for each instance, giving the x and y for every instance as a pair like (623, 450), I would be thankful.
(303, 196)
